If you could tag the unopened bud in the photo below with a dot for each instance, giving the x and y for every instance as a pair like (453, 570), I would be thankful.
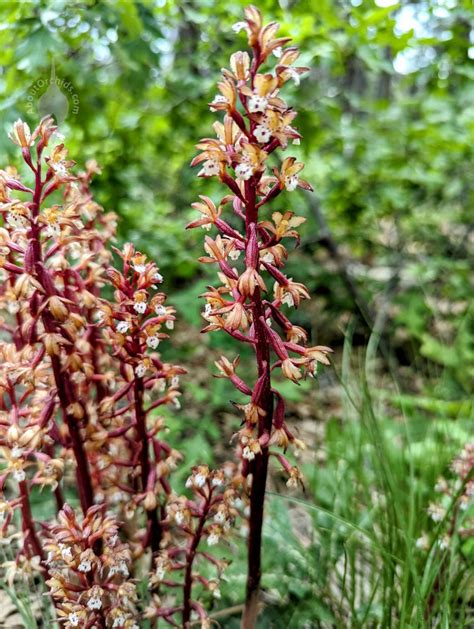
(150, 501)
(75, 409)
(57, 308)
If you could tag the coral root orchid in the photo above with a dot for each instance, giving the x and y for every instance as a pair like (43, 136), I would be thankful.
(257, 124)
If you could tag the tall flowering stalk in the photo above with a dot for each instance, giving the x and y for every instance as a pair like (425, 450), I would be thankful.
(82, 384)
(257, 124)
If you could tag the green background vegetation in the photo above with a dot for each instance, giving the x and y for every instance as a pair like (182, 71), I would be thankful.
(387, 118)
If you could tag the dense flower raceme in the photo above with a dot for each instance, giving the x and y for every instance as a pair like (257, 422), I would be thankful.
(89, 571)
(252, 302)
(81, 385)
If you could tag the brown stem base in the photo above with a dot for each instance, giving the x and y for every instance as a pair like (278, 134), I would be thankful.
(254, 567)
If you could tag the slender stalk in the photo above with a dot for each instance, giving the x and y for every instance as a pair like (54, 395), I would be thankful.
(84, 482)
(65, 388)
(154, 532)
(29, 527)
(190, 555)
(259, 468)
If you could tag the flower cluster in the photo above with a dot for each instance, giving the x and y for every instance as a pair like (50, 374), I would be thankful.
(454, 511)
(207, 517)
(128, 435)
(52, 261)
(256, 123)
(82, 383)
(89, 571)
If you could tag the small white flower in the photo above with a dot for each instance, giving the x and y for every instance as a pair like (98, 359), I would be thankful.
(288, 300)
(160, 571)
(19, 475)
(240, 26)
(85, 566)
(13, 307)
(157, 277)
(170, 324)
(248, 454)
(52, 230)
(296, 141)
(234, 254)
(59, 169)
(49, 558)
(257, 104)
(179, 517)
(73, 619)
(160, 310)
(277, 51)
(75, 250)
(140, 268)
(140, 307)
(209, 168)
(153, 341)
(18, 221)
(189, 482)
(16, 452)
(219, 517)
(213, 539)
(422, 542)
(66, 553)
(244, 171)
(291, 183)
(119, 621)
(444, 541)
(294, 75)
(207, 310)
(238, 503)
(140, 370)
(217, 481)
(219, 99)
(123, 327)
(262, 133)
(268, 257)
(200, 480)
(161, 385)
(175, 381)
(94, 603)
(123, 568)
(436, 512)
(176, 403)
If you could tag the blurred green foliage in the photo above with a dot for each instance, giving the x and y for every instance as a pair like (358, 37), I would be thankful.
(387, 117)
